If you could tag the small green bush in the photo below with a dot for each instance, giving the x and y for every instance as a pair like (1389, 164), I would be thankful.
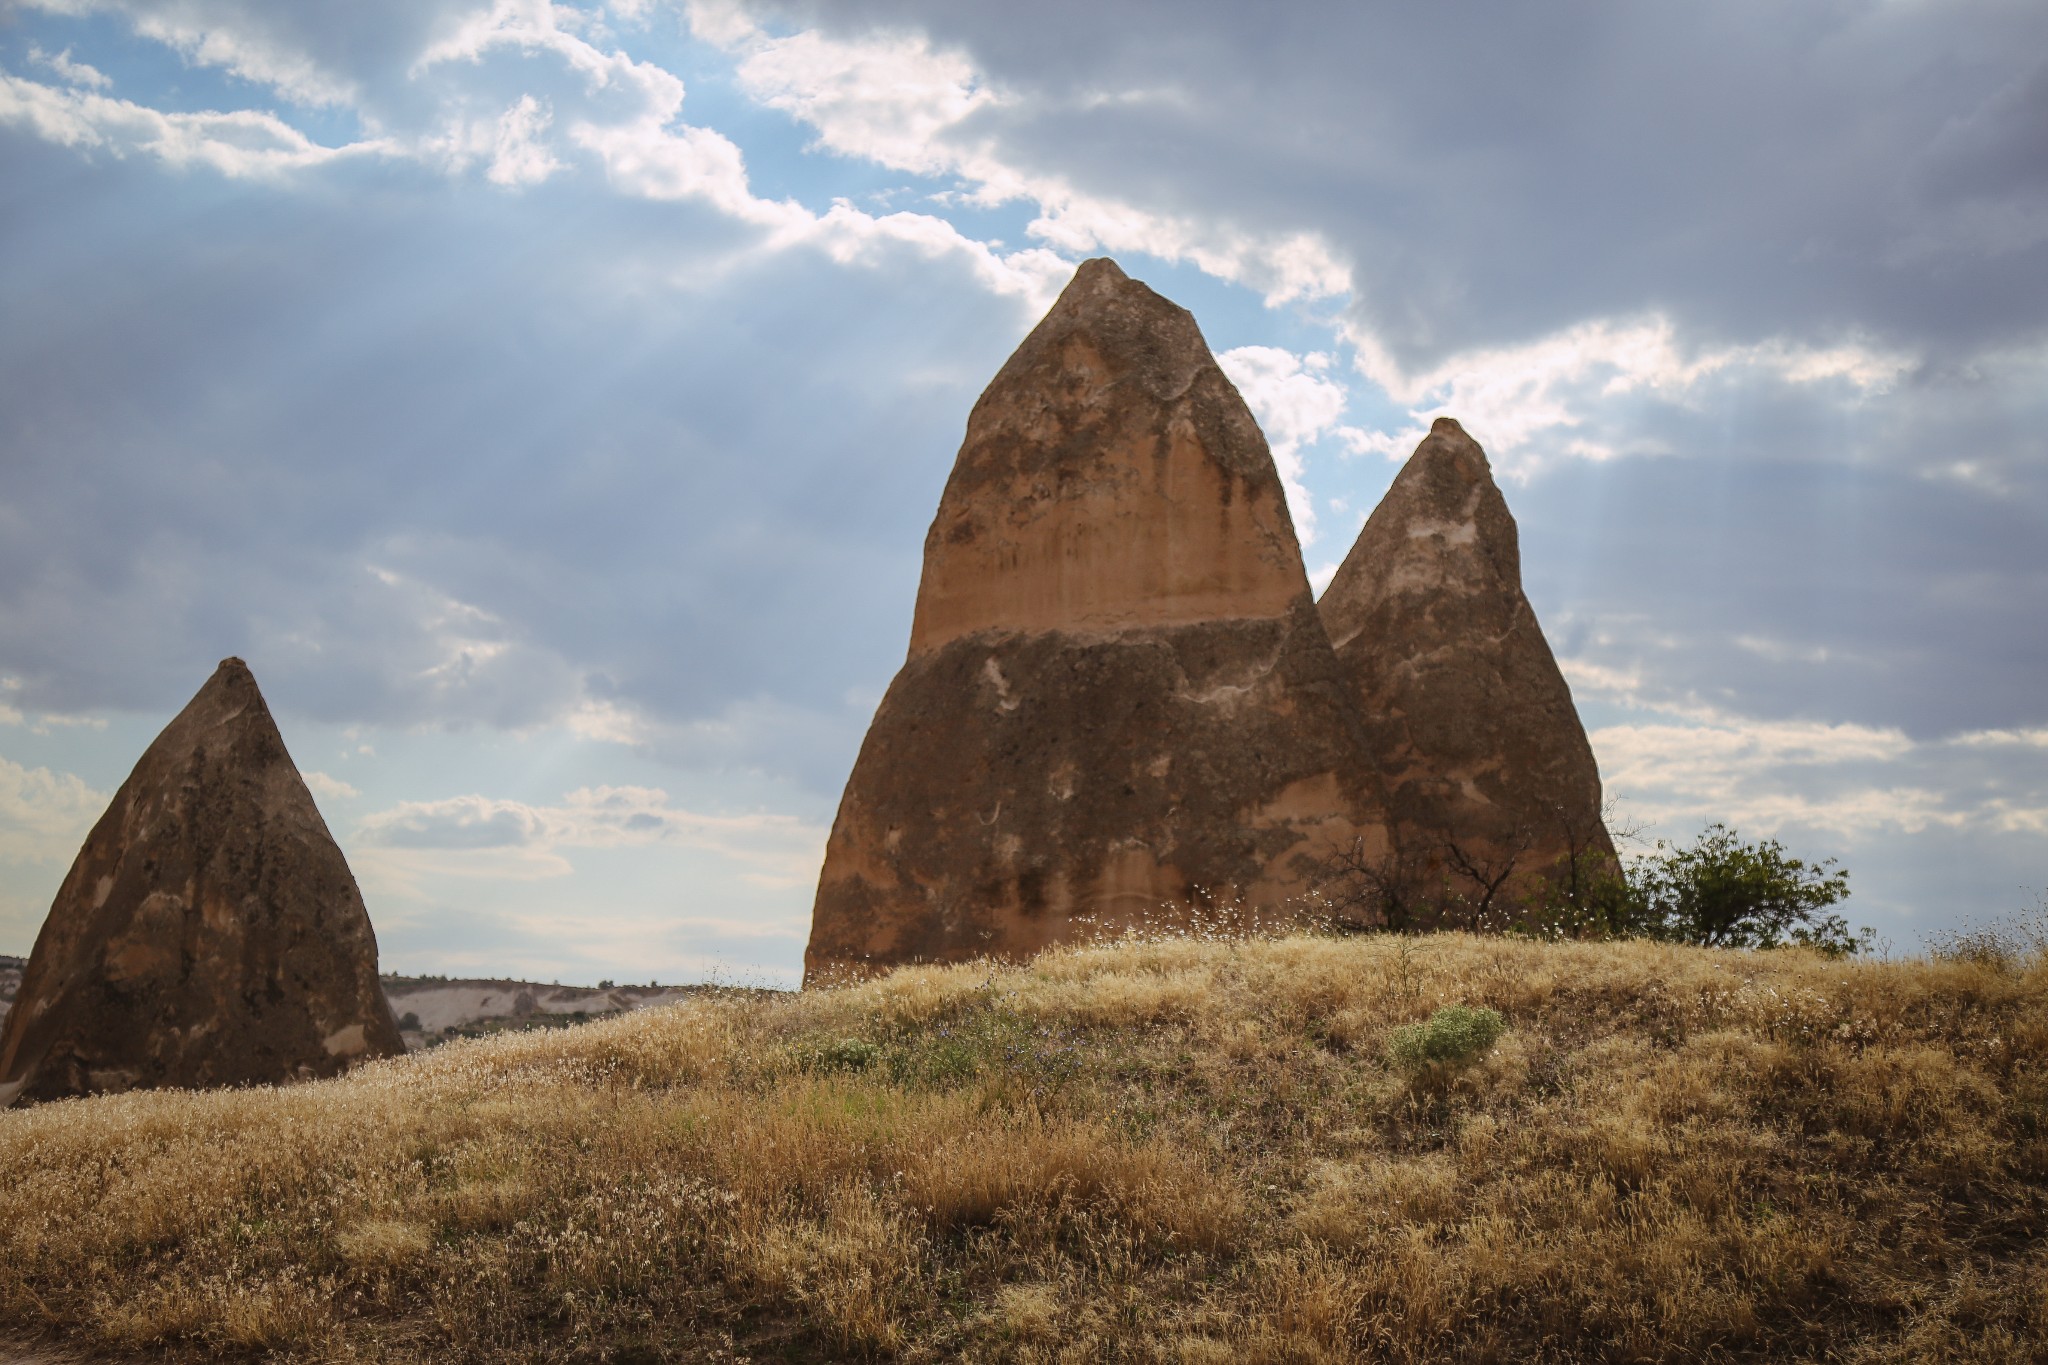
(1455, 1036)
(849, 1054)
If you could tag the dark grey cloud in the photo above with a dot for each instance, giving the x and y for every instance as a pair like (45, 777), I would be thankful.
(1495, 172)
(1794, 590)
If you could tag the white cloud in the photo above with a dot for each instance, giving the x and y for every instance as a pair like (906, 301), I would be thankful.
(1783, 651)
(894, 100)
(1744, 774)
(608, 722)
(45, 815)
(2000, 739)
(654, 157)
(448, 657)
(67, 70)
(464, 637)
(487, 837)
(651, 157)
(520, 158)
(1526, 402)
(333, 788)
(650, 153)
(887, 99)
(1695, 754)
(221, 36)
(237, 143)
(627, 118)
(1297, 404)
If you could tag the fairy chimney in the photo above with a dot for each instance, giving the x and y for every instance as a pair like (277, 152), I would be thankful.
(1119, 698)
(1490, 781)
(209, 933)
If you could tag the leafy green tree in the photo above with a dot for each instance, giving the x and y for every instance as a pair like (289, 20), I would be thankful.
(1726, 893)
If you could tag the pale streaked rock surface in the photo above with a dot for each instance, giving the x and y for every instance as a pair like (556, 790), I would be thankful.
(10, 981)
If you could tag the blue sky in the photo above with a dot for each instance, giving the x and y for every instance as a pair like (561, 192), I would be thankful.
(549, 400)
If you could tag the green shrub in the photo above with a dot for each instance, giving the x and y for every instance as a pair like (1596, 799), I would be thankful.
(1725, 893)
(1455, 1036)
(849, 1054)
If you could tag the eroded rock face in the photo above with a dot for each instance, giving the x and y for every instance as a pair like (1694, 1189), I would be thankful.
(209, 933)
(1118, 694)
(1489, 777)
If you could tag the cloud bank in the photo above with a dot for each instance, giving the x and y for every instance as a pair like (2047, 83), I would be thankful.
(584, 374)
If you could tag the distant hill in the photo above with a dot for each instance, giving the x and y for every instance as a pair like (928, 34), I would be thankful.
(434, 1009)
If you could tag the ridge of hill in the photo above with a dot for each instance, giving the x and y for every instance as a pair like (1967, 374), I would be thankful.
(1293, 1149)
(11, 969)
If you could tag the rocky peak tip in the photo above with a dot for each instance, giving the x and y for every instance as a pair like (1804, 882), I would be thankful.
(233, 684)
(1449, 451)
(233, 674)
(1096, 282)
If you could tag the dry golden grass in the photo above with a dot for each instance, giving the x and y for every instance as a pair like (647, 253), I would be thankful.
(1171, 1151)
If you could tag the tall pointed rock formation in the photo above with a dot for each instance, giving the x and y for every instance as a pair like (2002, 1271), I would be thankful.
(209, 933)
(1118, 693)
(1489, 777)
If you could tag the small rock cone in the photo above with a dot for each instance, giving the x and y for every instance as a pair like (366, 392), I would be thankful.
(209, 933)
(1118, 695)
(1492, 786)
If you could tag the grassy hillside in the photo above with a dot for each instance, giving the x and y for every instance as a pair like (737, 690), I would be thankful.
(1176, 1151)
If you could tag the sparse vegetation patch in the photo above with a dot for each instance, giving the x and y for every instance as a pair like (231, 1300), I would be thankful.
(1454, 1036)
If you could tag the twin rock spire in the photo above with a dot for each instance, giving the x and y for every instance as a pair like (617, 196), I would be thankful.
(1120, 692)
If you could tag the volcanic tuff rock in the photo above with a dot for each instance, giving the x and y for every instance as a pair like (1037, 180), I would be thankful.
(1489, 776)
(1118, 693)
(209, 933)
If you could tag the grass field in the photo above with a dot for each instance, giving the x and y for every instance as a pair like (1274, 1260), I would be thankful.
(1176, 1150)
